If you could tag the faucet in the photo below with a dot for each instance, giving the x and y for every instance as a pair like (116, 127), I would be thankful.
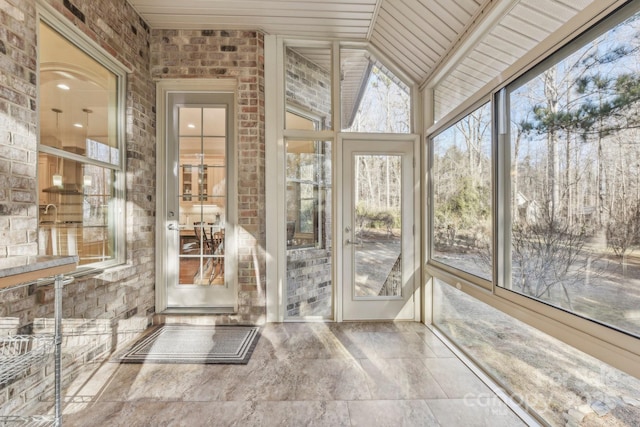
(46, 211)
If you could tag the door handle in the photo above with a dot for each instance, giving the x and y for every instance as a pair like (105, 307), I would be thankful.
(352, 242)
(173, 227)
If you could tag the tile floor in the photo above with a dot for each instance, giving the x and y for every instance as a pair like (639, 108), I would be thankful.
(300, 374)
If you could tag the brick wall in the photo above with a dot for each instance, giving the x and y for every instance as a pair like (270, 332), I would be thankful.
(238, 55)
(121, 298)
(18, 139)
(309, 282)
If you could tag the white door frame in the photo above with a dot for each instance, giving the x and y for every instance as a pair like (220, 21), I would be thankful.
(413, 275)
(163, 218)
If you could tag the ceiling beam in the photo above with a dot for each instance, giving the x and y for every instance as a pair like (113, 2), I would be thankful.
(374, 19)
(482, 22)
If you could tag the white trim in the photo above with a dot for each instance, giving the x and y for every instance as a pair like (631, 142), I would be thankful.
(308, 134)
(374, 19)
(273, 286)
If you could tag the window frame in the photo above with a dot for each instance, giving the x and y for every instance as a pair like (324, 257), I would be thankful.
(612, 346)
(596, 333)
(50, 17)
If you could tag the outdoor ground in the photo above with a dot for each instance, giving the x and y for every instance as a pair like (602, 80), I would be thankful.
(375, 256)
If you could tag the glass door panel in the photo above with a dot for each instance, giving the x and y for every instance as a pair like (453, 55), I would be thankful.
(199, 269)
(202, 195)
(378, 226)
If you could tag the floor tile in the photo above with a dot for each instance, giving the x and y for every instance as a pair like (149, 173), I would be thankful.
(400, 379)
(261, 379)
(476, 411)
(455, 378)
(149, 382)
(301, 374)
(434, 343)
(332, 379)
(392, 345)
(145, 414)
(391, 413)
(296, 414)
(300, 345)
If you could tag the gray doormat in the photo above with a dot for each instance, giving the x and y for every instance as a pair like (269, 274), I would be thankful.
(194, 344)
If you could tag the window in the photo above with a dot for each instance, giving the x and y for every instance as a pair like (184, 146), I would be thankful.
(566, 168)
(307, 175)
(461, 192)
(308, 228)
(373, 98)
(575, 179)
(80, 158)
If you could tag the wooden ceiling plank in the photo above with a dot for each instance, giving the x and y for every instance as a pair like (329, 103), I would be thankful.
(514, 36)
(416, 24)
(470, 6)
(408, 65)
(445, 16)
(421, 50)
(505, 45)
(416, 36)
(524, 27)
(486, 49)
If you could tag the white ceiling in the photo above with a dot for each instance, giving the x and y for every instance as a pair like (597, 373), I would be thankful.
(416, 36)
(413, 34)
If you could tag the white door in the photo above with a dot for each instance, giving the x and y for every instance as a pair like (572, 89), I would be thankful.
(379, 247)
(199, 270)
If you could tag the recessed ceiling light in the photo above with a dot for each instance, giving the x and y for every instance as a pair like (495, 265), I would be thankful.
(191, 126)
(78, 125)
(63, 86)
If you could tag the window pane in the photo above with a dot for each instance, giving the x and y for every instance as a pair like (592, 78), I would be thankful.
(78, 100)
(308, 210)
(373, 98)
(76, 209)
(79, 213)
(308, 86)
(555, 380)
(462, 194)
(202, 195)
(378, 226)
(575, 168)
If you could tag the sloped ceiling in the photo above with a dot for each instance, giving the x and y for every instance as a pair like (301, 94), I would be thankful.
(417, 36)
(417, 33)
(413, 34)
